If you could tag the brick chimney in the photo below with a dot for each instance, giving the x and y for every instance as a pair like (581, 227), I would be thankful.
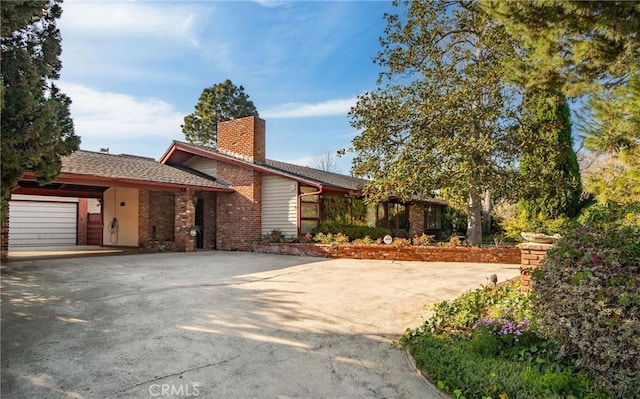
(243, 138)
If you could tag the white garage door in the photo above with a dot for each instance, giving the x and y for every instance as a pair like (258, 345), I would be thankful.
(42, 224)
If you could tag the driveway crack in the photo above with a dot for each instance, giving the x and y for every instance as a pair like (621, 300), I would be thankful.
(177, 373)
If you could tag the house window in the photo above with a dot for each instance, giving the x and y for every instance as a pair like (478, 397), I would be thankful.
(309, 210)
(341, 209)
(432, 217)
(393, 216)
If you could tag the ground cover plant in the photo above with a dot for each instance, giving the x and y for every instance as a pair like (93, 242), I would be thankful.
(485, 344)
(587, 297)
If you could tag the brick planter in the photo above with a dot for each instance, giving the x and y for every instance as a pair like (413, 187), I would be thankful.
(533, 255)
(387, 252)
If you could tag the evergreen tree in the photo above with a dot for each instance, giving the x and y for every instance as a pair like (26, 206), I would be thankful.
(218, 103)
(36, 124)
(549, 167)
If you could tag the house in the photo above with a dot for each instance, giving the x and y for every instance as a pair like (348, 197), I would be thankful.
(232, 192)
(294, 199)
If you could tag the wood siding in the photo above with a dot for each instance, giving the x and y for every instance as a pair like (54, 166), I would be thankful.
(204, 165)
(279, 205)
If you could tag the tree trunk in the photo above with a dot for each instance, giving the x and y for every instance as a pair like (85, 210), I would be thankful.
(474, 218)
(486, 212)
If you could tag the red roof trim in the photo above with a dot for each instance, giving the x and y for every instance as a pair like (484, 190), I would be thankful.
(237, 162)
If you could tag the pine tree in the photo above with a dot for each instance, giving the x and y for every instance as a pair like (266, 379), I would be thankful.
(218, 103)
(37, 128)
(549, 167)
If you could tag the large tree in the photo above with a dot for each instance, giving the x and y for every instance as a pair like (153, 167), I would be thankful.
(441, 117)
(218, 103)
(36, 124)
(548, 166)
(612, 130)
(589, 44)
(592, 48)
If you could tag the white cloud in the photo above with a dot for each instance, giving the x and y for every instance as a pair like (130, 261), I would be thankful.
(156, 20)
(302, 110)
(105, 115)
(271, 3)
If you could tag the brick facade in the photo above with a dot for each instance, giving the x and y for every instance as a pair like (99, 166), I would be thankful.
(244, 137)
(4, 236)
(185, 212)
(82, 221)
(532, 256)
(416, 218)
(239, 214)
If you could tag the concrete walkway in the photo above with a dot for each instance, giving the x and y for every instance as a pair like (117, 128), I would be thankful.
(219, 325)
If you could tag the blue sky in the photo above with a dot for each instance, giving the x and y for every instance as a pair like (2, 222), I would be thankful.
(134, 69)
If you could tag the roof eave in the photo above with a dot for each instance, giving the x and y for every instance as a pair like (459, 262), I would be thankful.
(102, 181)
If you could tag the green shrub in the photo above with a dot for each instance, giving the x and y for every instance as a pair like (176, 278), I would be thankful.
(587, 299)
(333, 239)
(274, 235)
(423, 240)
(481, 345)
(353, 231)
(364, 241)
(522, 223)
(452, 363)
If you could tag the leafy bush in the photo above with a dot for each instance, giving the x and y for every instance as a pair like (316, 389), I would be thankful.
(587, 298)
(274, 235)
(481, 345)
(513, 227)
(463, 312)
(423, 240)
(353, 231)
(364, 241)
(333, 239)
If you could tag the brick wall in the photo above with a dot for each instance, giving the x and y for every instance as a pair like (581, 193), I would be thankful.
(388, 252)
(185, 213)
(160, 216)
(243, 136)
(416, 218)
(144, 237)
(532, 256)
(239, 213)
(82, 221)
(4, 237)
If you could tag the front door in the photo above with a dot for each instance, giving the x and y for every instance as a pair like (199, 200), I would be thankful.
(200, 222)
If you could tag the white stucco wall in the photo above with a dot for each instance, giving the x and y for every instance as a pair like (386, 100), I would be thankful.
(121, 204)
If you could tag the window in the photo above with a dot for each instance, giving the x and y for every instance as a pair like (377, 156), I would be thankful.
(341, 209)
(309, 210)
(392, 215)
(432, 217)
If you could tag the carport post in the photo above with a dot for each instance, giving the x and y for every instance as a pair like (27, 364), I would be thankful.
(185, 213)
(4, 238)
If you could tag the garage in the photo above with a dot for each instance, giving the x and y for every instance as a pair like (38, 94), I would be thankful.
(42, 221)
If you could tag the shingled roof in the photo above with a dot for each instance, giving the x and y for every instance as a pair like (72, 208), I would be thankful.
(320, 176)
(296, 172)
(134, 168)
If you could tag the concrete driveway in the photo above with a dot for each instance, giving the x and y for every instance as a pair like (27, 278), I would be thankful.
(219, 325)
